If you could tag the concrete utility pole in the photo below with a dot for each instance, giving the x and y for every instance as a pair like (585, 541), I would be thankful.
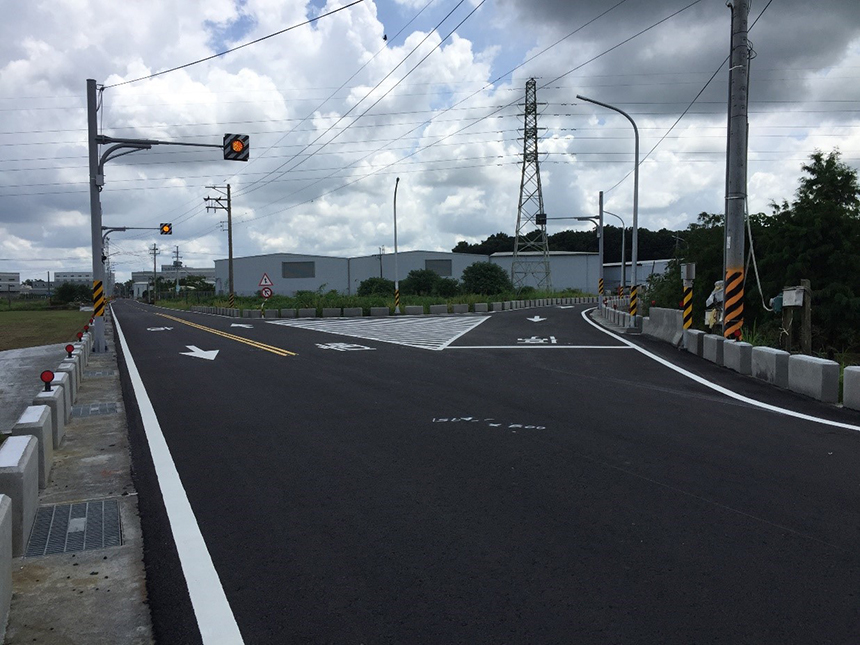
(176, 265)
(396, 275)
(219, 203)
(152, 296)
(99, 344)
(736, 172)
(600, 249)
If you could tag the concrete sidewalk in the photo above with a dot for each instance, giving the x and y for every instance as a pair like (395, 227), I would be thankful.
(94, 596)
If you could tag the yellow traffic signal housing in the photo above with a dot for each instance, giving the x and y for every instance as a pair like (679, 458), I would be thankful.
(236, 147)
(166, 229)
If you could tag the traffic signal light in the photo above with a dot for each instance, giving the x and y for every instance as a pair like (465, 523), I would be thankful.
(166, 229)
(236, 147)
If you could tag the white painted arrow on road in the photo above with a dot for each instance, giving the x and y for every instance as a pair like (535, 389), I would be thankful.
(242, 325)
(196, 352)
(536, 319)
(159, 328)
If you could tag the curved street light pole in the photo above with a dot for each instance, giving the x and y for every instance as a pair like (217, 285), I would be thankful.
(623, 249)
(635, 259)
(396, 280)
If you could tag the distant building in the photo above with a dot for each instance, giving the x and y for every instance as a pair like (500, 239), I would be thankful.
(170, 272)
(10, 283)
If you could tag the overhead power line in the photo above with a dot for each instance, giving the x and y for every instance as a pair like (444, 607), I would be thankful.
(228, 51)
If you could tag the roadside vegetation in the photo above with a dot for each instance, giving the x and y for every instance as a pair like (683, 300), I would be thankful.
(34, 327)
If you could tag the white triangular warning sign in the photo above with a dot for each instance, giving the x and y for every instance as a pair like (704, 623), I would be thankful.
(265, 282)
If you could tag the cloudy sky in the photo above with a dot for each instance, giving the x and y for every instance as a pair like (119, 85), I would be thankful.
(424, 90)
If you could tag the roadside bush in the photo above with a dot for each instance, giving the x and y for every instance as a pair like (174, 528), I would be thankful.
(376, 287)
(486, 278)
(447, 287)
(420, 282)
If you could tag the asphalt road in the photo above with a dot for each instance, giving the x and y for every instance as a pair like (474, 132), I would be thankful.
(487, 479)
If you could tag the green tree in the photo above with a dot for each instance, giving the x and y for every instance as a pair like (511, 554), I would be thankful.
(376, 287)
(447, 287)
(486, 278)
(817, 237)
(420, 282)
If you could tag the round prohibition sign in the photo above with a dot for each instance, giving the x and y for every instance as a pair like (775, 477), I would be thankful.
(266, 291)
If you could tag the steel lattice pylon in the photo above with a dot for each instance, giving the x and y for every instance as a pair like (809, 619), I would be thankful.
(531, 248)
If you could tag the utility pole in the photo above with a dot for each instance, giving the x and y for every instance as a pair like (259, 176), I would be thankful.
(176, 265)
(225, 203)
(531, 249)
(96, 181)
(154, 251)
(736, 173)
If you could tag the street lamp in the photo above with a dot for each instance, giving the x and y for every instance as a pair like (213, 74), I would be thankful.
(396, 280)
(623, 249)
(634, 286)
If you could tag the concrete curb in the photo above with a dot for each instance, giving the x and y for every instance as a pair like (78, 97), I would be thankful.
(5, 563)
(814, 377)
(851, 387)
(54, 400)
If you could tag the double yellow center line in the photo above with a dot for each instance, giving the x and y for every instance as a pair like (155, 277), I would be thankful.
(224, 334)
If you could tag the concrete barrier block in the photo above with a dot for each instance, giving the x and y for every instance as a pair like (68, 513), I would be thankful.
(438, 309)
(815, 377)
(414, 310)
(737, 356)
(497, 306)
(460, 309)
(5, 563)
(331, 312)
(54, 400)
(75, 362)
(693, 341)
(352, 312)
(62, 381)
(379, 311)
(35, 421)
(254, 313)
(664, 324)
(69, 368)
(308, 312)
(288, 313)
(712, 348)
(851, 387)
(82, 350)
(481, 307)
(246, 313)
(19, 479)
(771, 365)
(271, 313)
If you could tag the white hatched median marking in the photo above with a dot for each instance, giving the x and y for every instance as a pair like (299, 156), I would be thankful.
(424, 333)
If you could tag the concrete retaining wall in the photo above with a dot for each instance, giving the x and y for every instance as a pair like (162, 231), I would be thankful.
(814, 377)
(771, 365)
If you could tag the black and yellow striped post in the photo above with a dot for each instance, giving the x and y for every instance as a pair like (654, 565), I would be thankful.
(397, 301)
(734, 304)
(232, 300)
(688, 307)
(98, 299)
(600, 286)
(620, 290)
(634, 300)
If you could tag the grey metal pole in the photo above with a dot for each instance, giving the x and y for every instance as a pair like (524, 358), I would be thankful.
(733, 290)
(635, 251)
(623, 258)
(95, 220)
(600, 245)
(396, 275)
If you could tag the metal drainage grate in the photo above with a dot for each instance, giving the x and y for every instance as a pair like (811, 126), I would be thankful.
(75, 527)
(94, 409)
(96, 373)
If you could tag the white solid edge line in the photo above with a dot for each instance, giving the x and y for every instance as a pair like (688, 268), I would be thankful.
(214, 616)
(462, 333)
(719, 388)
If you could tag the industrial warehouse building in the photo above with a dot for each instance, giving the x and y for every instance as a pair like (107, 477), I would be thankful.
(290, 272)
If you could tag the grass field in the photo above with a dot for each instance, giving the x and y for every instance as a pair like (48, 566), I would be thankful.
(32, 328)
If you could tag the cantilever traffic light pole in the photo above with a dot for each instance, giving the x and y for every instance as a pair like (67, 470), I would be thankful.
(236, 147)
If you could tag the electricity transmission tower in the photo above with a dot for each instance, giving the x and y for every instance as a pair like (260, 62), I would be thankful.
(531, 249)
